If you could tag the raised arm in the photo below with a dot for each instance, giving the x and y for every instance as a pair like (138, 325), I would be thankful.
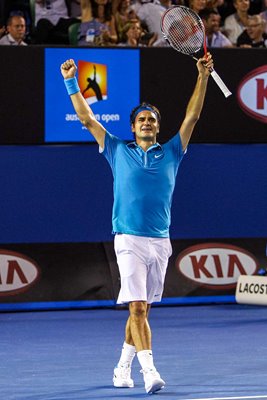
(196, 101)
(84, 112)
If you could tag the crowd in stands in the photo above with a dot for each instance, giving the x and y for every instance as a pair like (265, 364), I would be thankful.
(127, 23)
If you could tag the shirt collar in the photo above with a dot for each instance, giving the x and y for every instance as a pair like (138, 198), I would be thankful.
(12, 40)
(135, 145)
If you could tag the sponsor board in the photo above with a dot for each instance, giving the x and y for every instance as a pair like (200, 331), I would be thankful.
(215, 265)
(251, 290)
(17, 272)
(56, 272)
(252, 94)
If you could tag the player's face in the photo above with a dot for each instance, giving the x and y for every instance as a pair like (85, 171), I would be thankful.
(146, 126)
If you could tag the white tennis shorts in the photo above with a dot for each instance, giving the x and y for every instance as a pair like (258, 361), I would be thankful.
(142, 264)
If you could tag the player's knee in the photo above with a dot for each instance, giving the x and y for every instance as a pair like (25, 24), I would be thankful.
(138, 309)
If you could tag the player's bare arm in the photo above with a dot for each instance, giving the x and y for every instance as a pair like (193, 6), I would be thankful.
(84, 112)
(196, 101)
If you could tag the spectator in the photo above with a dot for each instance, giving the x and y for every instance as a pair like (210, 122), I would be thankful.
(121, 12)
(16, 30)
(254, 35)
(150, 14)
(17, 7)
(214, 37)
(52, 22)
(237, 22)
(197, 5)
(98, 24)
(133, 34)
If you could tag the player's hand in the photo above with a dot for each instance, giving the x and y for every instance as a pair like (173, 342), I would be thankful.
(68, 69)
(205, 65)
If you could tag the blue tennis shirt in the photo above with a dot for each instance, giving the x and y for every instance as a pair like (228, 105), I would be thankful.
(143, 185)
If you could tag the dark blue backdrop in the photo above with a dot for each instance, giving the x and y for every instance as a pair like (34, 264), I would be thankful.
(64, 193)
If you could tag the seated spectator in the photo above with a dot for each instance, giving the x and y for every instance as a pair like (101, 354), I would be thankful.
(150, 14)
(134, 35)
(237, 22)
(214, 37)
(131, 34)
(254, 35)
(17, 7)
(16, 30)
(121, 11)
(98, 24)
(52, 22)
(197, 5)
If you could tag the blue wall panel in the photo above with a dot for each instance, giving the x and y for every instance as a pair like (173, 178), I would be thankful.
(51, 194)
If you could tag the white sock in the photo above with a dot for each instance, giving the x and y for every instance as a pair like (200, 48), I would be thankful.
(127, 354)
(145, 357)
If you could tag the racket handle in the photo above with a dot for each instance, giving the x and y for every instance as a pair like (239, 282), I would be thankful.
(220, 83)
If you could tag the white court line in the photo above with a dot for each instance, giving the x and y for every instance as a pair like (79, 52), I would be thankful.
(233, 398)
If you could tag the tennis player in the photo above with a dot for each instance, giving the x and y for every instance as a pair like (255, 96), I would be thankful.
(144, 178)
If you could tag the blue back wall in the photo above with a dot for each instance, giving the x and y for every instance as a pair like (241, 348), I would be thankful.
(64, 193)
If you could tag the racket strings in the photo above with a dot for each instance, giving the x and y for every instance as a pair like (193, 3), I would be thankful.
(183, 29)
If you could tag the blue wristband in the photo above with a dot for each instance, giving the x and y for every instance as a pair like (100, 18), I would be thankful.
(72, 85)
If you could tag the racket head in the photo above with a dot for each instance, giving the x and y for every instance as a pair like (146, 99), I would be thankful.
(183, 29)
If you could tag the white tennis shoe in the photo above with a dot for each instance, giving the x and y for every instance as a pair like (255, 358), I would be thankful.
(122, 376)
(153, 381)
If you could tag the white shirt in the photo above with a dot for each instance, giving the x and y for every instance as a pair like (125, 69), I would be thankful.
(151, 14)
(233, 27)
(53, 12)
(218, 39)
(8, 40)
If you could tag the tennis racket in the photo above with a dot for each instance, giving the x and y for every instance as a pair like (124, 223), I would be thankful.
(184, 31)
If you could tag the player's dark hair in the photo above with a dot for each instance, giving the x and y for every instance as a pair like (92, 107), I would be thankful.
(134, 111)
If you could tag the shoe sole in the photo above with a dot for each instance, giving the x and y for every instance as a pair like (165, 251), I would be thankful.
(123, 385)
(156, 387)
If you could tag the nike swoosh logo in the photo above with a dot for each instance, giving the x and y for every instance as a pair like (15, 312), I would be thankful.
(157, 155)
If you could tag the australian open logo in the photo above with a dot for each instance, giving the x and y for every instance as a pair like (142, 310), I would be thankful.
(92, 78)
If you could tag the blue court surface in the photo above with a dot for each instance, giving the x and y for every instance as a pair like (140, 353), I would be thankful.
(202, 352)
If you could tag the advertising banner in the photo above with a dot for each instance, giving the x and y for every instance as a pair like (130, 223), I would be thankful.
(241, 118)
(108, 80)
(86, 274)
(114, 80)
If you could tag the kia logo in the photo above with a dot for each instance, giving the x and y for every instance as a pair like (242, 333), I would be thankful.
(17, 272)
(252, 94)
(216, 265)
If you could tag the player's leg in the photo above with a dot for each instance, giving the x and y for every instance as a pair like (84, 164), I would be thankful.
(161, 251)
(132, 274)
(122, 372)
